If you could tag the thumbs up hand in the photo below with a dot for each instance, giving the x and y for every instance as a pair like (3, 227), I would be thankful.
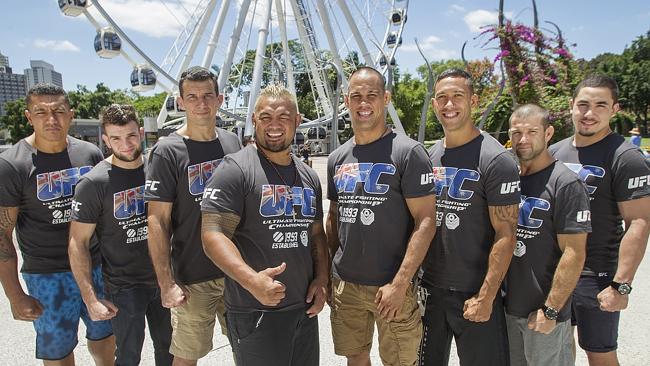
(266, 289)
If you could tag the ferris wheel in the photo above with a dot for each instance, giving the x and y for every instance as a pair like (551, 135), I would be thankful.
(321, 34)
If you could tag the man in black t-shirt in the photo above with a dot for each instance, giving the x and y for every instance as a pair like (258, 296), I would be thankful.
(262, 225)
(477, 192)
(39, 176)
(554, 220)
(109, 203)
(380, 224)
(618, 180)
(179, 167)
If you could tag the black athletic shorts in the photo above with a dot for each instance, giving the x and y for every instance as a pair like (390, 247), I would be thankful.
(597, 329)
(274, 338)
(478, 344)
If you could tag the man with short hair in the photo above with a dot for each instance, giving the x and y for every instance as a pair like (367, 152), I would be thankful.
(39, 177)
(477, 188)
(179, 167)
(618, 180)
(262, 225)
(554, 220)
(380, 224)
(109, 203)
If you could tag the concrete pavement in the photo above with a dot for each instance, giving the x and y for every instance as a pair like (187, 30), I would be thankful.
(17, 338)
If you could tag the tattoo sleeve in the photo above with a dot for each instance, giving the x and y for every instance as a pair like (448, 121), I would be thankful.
(7, 223)
(224, 223)
(508, 214)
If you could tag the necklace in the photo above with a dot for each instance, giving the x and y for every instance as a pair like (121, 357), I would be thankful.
(275, 169)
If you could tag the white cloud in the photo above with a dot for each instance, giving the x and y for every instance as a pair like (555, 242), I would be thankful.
(426, 44)
(53, 45)
(477, 18)
(438, 54)
(431, 49)
(454, 8)
(154, 18)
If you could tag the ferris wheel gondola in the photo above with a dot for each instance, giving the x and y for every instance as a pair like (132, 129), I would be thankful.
(73, 8)
(143, 78)
(107, 43)
(173, 108)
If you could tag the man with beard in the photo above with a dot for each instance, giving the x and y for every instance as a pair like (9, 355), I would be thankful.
(109, 203)
(262, 225)
(477, 188)
(179, 167)
(552, 232)
(618, 180)
(39, 176)
(380, 224)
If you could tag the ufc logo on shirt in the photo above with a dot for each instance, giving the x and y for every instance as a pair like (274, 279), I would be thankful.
(76, 205)
(151, 185)
(426, 178)
(638, 182)
(583, 216)
(211, 193)
(510, 187)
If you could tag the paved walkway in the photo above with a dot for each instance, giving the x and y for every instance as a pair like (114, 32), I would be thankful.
(17, 338)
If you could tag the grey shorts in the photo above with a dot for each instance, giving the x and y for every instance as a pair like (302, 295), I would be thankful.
(529, 348)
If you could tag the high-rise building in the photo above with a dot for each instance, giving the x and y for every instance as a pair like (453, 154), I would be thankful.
(12, 86)
(42, 72)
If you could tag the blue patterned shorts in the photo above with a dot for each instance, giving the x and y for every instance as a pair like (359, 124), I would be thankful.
(57, 327)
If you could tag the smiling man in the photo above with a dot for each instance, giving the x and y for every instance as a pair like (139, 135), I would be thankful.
(39, 177)
(380, 224)
(179, 167)
(477, 187)
(263, 226)
(551, 236)
(618, 180)
(109, 203)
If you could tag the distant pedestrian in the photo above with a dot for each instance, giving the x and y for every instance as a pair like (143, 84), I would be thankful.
(635, 137)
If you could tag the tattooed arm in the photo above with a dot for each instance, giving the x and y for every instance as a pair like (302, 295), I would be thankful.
(217, 230)
(504, 221)
(23, 307)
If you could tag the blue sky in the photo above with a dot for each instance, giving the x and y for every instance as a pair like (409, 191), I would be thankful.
(36, 29)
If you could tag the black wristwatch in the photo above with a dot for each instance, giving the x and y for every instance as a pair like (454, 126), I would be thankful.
(550, 313)
(622, 288)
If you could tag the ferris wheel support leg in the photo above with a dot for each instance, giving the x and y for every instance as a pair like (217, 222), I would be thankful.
(196, 37)
(258, 67)
(352, 23)
(291, 84)
(393, 115)
(162, 116)
(216, 32)
(329, 33)
(224, 72)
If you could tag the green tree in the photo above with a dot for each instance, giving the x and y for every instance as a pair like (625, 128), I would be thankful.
(149, 106)
(88, 104)
(15, 121)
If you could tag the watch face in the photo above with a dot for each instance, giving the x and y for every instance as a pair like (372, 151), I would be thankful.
(550, 313)
(624, 289)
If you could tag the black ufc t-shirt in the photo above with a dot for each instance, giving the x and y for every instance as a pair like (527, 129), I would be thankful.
(275, 222)
(370, 184)
(178, 171)
(113, 198)
(42, 185)
(468, 179)
(614, 171)
(553, 201)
